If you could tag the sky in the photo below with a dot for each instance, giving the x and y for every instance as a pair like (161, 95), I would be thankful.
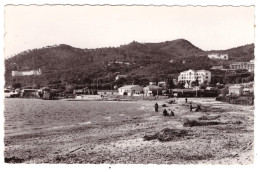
(209, 28)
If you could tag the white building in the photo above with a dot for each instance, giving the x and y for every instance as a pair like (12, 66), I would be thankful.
(27, 73)
(243, 65)
(217, 68)
(148, 90)
(130, 90)
(120, 76)
(235, 90)
(162, 84)
(218, 56)
(152, 83)
(189, 76)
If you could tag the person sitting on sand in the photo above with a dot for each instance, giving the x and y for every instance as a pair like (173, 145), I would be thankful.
(164, 105)
(198, 108)
(165, 113)
(190, 107)
(172, 113)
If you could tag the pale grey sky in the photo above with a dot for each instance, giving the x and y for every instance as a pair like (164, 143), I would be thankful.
(209, 28)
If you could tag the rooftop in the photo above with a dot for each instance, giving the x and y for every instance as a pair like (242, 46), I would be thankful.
(129, 86)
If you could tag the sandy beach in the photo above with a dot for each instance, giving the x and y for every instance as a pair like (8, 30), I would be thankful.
(38, 131)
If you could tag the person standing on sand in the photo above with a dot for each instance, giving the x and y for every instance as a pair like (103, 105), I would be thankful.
(190, 107)
(156, 107)
(186, 99)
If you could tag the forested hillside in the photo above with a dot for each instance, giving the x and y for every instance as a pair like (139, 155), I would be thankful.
(63, 65)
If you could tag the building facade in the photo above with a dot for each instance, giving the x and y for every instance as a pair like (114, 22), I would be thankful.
(217, 68)
(218, 56)
(130, 90)
(148, 90)
(120, 76)
(235, 90)
(189, 76)
(243, 65)
(27, 73)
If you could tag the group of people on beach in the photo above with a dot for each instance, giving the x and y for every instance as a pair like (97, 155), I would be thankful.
(165, 112)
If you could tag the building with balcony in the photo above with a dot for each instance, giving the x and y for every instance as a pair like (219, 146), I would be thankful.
(189, 76)
(243, 65)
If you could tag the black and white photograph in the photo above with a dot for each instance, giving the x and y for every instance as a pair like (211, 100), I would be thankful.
(103, 84)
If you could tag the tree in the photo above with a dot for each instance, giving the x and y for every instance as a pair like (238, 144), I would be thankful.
(224, 91)
(70, 88)
(180, 85)
(170, 83)
(16, 85)
(120, 81)
(238, 80)
(193, 83)
(34, 85)
(87, 80)
(197, 82)
(202, 86)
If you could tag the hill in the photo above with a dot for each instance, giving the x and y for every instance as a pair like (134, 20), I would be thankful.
(64, 65)
(241, 53)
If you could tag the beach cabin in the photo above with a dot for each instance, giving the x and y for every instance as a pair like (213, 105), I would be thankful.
(149, 90)
(235, 90)
(210, 88)
(28, 92)
(247, 91)
(130, 90)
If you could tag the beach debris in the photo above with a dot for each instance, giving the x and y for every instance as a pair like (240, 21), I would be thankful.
(167, 134)
(209, 117)
(88, 122)
(238, 122)
(13, 160)
(192, 123)
(171, 102)
(74, 150)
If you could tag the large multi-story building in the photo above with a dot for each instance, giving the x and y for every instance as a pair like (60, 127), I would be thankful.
(27, 73)
(191, 75)
(243, 65)
(218, 56)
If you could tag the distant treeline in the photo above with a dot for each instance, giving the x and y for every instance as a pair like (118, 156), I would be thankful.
(64, 66)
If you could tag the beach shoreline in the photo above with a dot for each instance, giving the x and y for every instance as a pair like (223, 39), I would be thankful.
(114, 133)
